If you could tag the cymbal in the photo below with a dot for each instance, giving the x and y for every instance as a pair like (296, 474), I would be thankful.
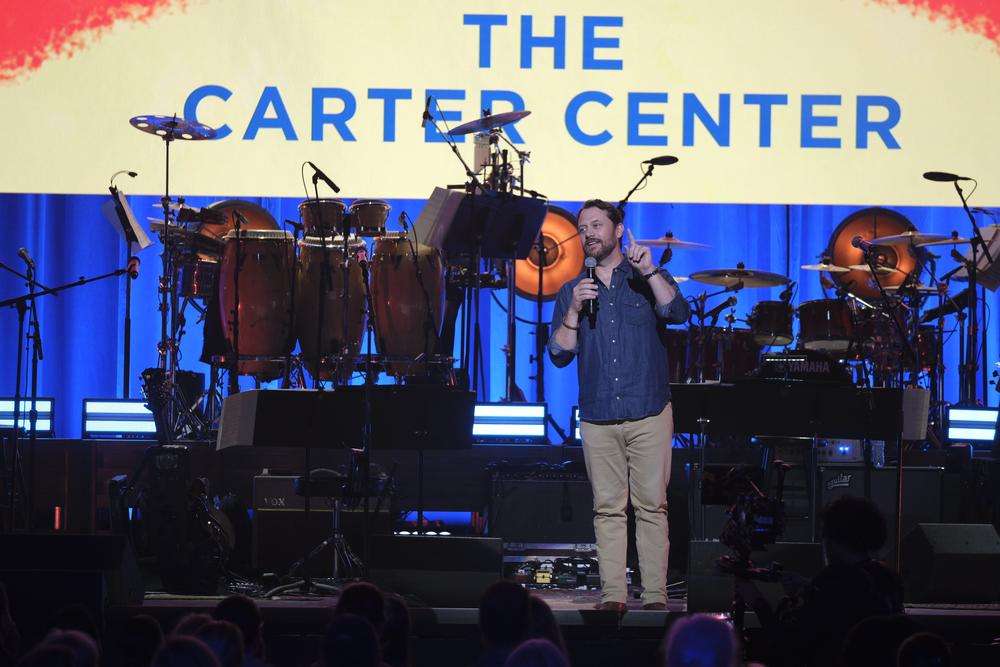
(867, 269)
(487, 123)
(954, 239)
(681, 279)
(668, 240)
(739, 276)
(825, 266)
(172, 127)
(909, 237)
(919, 287)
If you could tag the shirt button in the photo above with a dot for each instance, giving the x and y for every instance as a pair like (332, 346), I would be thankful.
(616, 379)
(614, 361)
(612, 303)
(612, 321)
(619, 398)
(612, 340)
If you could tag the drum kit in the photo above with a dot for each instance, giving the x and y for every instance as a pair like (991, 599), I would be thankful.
(264, 292)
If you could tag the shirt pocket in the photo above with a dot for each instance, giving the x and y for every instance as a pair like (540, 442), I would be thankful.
(637, 312)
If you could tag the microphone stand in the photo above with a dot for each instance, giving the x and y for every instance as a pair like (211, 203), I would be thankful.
(969, 389)
(23, 304)
(645, 176)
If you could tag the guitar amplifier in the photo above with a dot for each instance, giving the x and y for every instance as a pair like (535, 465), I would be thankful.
(281, 536)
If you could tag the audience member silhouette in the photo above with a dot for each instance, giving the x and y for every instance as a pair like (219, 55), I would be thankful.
(83, 646)
(396, 632)
(701, 640)
(924, 649)
(537, 653)
(137, 641)
(350, 641)
(875, 641)
(810, 625)
(190, 624)
(364, 600)
(504, 621)
(242, 612)
(45, 655)
(544, 624)
(225, 640)
(184, 651)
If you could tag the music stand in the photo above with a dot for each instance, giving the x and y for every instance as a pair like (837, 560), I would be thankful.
(119, 214)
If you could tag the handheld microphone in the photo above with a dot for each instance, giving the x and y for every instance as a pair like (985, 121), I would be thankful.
(23, 254)
(590, 305)
(133, 267)
(661, 161)
(427, 113)
(323, 177)
(944, 177)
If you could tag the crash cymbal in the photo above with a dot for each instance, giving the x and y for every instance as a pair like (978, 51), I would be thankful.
(867, 269)
(668, 240)
(562, 259)
(681, 279)
(909, 237)
(487, 123)
(825, 266)
(954, 239)
(919, 287)
(739, 277)
(172, 127)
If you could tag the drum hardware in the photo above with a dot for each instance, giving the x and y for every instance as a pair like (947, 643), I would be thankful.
(170, 129)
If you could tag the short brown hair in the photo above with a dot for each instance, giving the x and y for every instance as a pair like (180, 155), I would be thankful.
(614, 213)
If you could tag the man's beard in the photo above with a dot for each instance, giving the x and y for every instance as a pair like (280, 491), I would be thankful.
(598, 251)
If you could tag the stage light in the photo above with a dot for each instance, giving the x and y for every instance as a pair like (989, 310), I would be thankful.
(972, 424)
(46, 415)
(574, 424)
(117, 418)
(522, 423)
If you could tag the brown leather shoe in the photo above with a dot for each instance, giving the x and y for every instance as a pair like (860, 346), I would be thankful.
(617, 607)
(654, 606)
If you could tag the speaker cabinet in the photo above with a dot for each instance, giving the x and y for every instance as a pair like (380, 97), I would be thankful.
(437, 570)
(951, 562)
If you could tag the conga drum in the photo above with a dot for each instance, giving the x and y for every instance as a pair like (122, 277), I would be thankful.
(322, 217)
(265, 298)
(407, 283)
(340, 306)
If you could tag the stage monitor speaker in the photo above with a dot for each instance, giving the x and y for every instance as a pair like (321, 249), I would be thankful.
(541, 510)
(951, 562)
(438, 571)
(45, 572)
(711, 590)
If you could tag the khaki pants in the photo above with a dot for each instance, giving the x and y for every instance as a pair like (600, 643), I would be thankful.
(631, 459)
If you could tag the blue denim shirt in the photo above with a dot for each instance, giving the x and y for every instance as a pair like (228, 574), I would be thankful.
(623, 371)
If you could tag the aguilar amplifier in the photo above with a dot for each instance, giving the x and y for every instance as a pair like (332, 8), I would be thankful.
(281, 535)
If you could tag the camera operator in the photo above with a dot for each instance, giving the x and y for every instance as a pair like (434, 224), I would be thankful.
(810, 624)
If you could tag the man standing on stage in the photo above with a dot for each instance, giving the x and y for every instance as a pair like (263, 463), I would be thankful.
(626, 417)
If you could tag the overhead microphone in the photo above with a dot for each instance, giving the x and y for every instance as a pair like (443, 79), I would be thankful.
(661, 161)
(714, 312)
(944, 177)
(323, 177)
(427, 113)
(590, 305)
(23, 254)
(863, 245)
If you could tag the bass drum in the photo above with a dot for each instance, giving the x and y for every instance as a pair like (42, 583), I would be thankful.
(407, 284)
(870, 223)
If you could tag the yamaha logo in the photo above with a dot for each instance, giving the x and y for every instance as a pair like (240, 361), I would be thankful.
(840, 481)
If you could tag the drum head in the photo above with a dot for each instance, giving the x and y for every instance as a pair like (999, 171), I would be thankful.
(870, 223)
(563, 257)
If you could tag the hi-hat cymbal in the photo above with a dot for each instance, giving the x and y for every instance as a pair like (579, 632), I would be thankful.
(488, 123)
(867, 269)
(668, 240)
(172, 127)
(739, 277)
(825, 266)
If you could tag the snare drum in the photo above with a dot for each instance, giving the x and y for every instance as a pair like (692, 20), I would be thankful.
(322, 217)
(825, 325)
(407, 285)
(370, 216)
(337, 305)
(771, 323)
(265, 306)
